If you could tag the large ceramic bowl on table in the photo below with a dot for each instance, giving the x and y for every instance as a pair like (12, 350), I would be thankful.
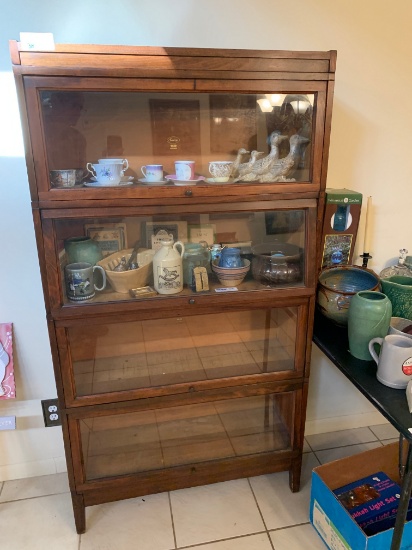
(337, 286)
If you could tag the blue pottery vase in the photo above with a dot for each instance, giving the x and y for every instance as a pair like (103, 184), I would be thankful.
(369, 317)
(82, 249)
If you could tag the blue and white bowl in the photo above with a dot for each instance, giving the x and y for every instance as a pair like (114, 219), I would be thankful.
(231, 276)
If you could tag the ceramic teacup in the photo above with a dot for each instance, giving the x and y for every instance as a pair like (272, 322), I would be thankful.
(220, 170)
(185, 170)
(63, 178)
(152, 172)
(123, 162)
(394, 360)
(80, 284)
(106, 173)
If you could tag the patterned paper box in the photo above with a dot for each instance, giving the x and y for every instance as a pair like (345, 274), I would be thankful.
(7, 386)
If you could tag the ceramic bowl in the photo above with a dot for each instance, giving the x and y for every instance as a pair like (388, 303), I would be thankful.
(337, 286)
(123, 281)
(231, 276)
(401, 327)
(276, 263)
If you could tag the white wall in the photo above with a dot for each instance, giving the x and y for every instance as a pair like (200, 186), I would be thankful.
(370, 152)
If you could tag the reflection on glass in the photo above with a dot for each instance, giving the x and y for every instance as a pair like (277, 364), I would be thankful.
(128, 356)
(160, 128)
(156, 439)
(271, 246)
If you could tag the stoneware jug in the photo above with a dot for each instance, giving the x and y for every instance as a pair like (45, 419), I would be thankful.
(369, 316)
(168, 267)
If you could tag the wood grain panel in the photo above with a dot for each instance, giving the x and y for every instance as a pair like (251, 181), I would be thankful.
(181, 62)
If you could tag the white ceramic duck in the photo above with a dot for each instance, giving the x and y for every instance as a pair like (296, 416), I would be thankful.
(237, 162)
(282, 168)
(247, 169)
(262, 166)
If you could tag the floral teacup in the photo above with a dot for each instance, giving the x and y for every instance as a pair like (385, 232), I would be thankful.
(106, 174)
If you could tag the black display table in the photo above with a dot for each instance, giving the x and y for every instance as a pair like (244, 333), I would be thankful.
(333, 341)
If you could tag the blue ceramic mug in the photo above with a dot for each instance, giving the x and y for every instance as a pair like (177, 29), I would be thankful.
(230, 257)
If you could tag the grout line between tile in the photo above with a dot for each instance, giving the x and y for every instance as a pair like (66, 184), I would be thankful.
(257, 504)
(349, 445)
(222, 540)
(289, 527)
(171, 515)
(33, 498)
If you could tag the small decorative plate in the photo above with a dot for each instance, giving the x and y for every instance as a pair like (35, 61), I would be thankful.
(161, 182)
(176, 181)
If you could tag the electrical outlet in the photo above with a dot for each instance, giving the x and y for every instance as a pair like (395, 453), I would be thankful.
(7, 422)
(51, 412)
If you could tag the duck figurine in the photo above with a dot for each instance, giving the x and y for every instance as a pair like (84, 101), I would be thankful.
(282, 168)
(237, 162)
(247, 168)
(262, 166)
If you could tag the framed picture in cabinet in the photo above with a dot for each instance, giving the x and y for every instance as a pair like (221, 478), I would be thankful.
(110, 237)
(154, 231)
(232, 123)
(175, 126)
(205, 232)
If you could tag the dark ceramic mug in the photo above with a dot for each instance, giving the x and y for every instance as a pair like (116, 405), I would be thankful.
(80, 281)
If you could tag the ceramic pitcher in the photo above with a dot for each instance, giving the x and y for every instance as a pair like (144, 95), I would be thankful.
(168, 267)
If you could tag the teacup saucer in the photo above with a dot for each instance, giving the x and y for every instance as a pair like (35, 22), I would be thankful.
(160, 182)
(99, 184)
(214, 182)
(177, 181)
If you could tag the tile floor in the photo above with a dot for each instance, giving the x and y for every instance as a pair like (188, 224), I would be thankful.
(258, 513)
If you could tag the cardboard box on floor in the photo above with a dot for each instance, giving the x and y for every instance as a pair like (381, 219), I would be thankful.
(332, 521)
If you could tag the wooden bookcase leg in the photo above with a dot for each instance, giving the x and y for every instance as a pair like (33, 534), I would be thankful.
(79, 511)
(294, 475)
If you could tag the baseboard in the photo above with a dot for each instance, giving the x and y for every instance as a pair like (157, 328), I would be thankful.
(9, 472)
(58, 464)
(333, 424)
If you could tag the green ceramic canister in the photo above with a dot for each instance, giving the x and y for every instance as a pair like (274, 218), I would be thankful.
(398, 289)
(369, 317)
(82, 249)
